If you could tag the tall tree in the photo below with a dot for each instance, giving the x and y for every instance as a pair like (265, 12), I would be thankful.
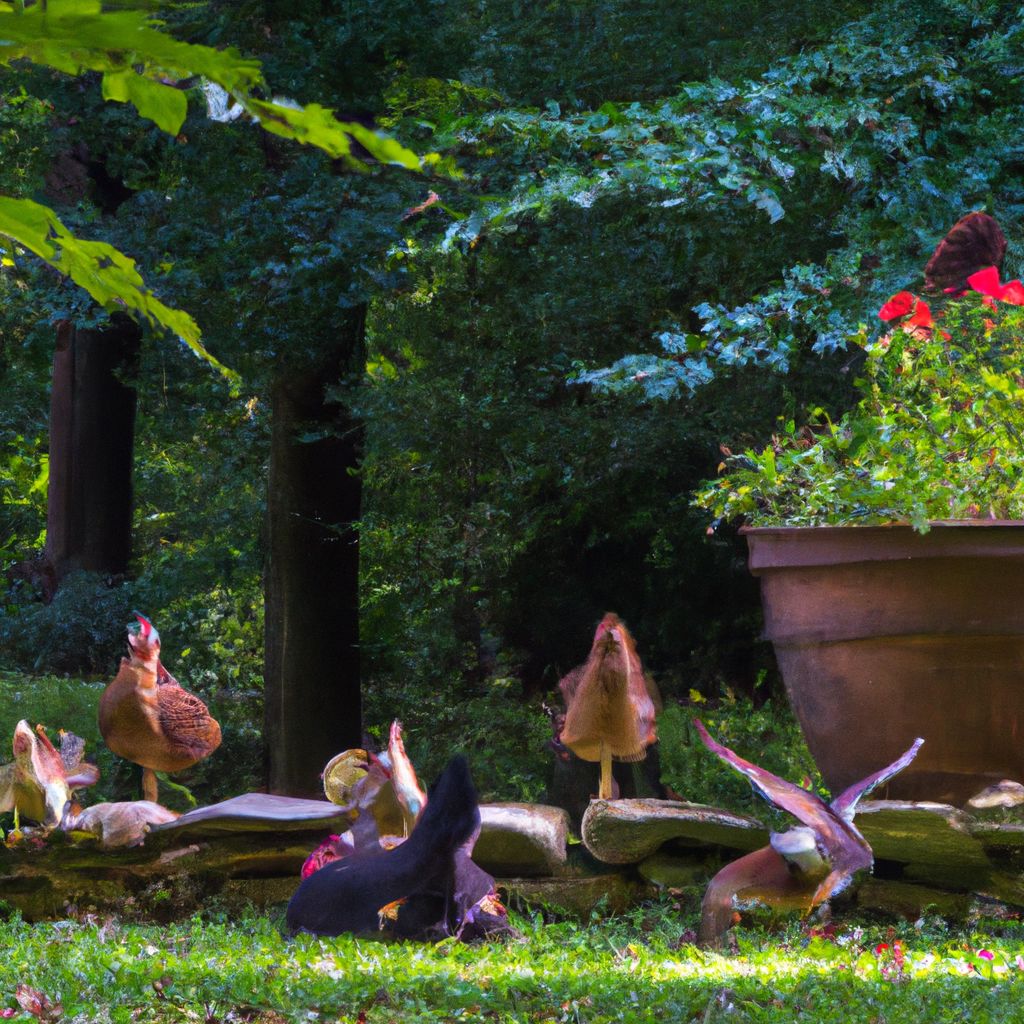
(92, 429)
(312, 693)
(312, 577)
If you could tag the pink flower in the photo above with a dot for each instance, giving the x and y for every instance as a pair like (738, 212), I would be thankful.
(986, 954)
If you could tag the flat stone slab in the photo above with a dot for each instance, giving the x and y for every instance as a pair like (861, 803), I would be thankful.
(629, 831)
(920, 833)
(258, 812)
(522, 840)
(574, 897)
(257, 843)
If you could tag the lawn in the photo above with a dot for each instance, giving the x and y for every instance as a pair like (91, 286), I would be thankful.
(641, 966)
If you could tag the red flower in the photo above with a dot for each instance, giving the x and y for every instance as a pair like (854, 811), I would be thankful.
(1013, 292)
(881, 948)
(922, 315)
(899, 305)
(987, 283)
(903, 303)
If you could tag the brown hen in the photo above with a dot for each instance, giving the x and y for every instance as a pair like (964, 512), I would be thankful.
(610, 703)
(146, 717)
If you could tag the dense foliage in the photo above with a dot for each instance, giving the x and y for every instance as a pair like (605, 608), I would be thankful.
(660, 237)
(143, 66)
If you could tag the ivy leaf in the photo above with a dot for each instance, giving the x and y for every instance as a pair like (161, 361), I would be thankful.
(765, 199)
(28, 224)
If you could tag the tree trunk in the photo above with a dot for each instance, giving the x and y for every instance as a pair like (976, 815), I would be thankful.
(313, 704)
(92, 438)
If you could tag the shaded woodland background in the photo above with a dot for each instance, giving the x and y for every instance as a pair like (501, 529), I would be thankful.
(664, 221)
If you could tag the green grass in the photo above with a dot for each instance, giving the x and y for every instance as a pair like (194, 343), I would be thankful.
(56, 702)
(638, 967)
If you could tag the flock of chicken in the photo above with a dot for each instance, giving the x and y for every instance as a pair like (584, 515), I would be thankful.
(405, 866)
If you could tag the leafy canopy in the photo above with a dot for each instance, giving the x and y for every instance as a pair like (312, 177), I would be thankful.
(144, 66)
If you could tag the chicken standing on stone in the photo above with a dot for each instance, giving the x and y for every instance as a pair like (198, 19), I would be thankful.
(145, 716)
(610, 706)
(40, 780)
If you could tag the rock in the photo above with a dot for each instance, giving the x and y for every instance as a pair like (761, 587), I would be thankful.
(629, 831)
(575, 781)
(678, 871)
(252, 848)
(920, 833)
(909, 901)
(1006, 793)
(999, 836)
(240, 845)
(258, 812)
(574, 897)
(523, 840)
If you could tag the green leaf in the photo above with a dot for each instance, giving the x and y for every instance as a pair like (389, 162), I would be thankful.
(28, 224)
(315, 125)
(165, 106)
(107, 274)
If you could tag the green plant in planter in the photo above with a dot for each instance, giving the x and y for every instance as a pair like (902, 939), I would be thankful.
(938, 433)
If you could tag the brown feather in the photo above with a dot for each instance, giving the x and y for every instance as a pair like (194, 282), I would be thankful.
(973, 243)
(761, 878)
(610, 704)
(146, 717)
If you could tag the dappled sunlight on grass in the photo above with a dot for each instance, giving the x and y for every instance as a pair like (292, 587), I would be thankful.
(634, 967)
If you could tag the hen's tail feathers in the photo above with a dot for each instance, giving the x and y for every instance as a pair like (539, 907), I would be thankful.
(451, 815)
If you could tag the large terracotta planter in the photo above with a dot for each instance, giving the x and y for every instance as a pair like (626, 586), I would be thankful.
(883, 634)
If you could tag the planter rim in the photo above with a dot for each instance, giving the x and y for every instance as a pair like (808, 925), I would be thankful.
(782, 547)
(897, 527)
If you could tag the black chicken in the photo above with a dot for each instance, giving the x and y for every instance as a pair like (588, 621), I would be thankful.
(413, 890)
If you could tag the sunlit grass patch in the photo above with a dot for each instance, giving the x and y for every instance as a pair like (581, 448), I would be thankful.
(637, 967)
